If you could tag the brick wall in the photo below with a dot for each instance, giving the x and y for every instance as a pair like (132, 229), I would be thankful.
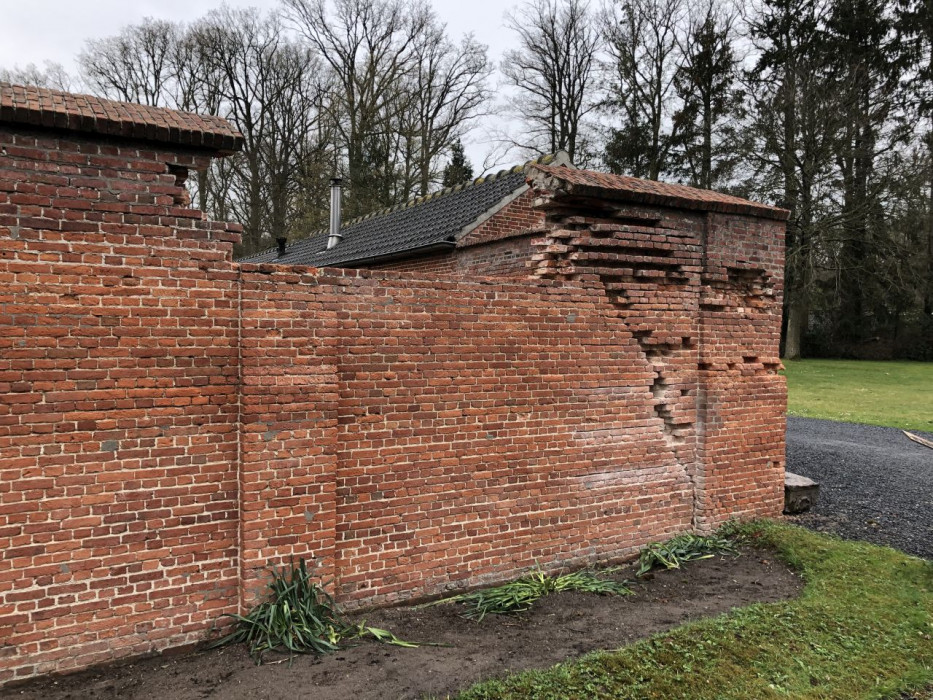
(171, 423)
(743, 396)
(506, 257)
(118, 405)
(472, 429)
(429, 265)
(517, 216)
(701, 293)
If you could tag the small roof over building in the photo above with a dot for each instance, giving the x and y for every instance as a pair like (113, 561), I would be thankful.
(52, 109)
(435, 223)
(418, 227)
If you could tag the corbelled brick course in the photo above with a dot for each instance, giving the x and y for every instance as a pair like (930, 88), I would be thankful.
(171, 422)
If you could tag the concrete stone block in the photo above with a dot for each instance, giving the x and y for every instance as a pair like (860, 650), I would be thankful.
(800, 493)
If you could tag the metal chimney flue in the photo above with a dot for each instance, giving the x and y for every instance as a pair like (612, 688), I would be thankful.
(335, 236)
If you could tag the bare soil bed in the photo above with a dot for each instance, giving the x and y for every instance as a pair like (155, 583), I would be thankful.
(557, 628)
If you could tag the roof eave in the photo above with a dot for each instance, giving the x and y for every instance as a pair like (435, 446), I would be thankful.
(420, 251)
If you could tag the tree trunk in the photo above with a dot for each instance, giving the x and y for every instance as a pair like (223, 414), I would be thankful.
(928, 292)
(797, 316)
(203, 184)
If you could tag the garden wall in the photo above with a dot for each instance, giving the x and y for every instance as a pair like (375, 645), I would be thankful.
(439, 434)
(119, 327)
(171, 422)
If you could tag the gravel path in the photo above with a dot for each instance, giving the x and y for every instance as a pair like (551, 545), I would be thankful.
(875, 484)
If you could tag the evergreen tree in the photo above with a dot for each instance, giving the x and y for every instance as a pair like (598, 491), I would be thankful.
(865, 58)
(915, 23)
(458, 171)
(792, 133)
(705, 85)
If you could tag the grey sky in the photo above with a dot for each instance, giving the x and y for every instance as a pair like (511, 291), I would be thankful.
(36, 31)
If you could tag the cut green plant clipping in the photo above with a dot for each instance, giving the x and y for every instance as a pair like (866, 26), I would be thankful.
(862, 628)
(298, 617)
(680, 549)
(520, 595)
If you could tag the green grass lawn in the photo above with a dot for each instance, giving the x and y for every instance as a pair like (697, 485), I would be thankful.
(863, 628)
(896, 394)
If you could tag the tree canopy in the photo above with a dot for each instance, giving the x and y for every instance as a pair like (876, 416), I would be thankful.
(824, 107)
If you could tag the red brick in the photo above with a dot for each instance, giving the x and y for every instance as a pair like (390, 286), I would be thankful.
(562, 389)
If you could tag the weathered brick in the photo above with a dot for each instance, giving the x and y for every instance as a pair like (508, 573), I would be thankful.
(562, 389)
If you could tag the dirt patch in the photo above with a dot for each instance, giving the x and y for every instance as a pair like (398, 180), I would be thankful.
(559, 627)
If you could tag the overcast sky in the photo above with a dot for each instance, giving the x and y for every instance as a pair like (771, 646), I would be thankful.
(36, 31)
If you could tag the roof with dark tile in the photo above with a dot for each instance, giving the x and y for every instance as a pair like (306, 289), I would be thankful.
(584, 182)
(40, 107)
(423, 223)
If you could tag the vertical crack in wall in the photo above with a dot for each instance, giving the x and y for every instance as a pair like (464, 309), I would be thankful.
(241, 566)
(651, 278)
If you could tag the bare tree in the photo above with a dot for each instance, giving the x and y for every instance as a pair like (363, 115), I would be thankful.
(370, 47)
(447, 90)
(553, 72)
(197, 87)
(135, 65)
(160, 64)
(270, 89)
(52, 76)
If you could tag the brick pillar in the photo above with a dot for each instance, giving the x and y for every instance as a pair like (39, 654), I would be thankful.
(289, 401)
(742, 398)
(118, 383)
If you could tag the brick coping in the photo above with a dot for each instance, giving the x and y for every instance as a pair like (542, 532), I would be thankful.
(52, 109)
(589, 183)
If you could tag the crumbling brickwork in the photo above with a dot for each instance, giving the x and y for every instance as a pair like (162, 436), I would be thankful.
(171, 422)
(700, 292)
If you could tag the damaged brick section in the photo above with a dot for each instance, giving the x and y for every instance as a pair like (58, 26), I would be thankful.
(171, 422)
(696, 279)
